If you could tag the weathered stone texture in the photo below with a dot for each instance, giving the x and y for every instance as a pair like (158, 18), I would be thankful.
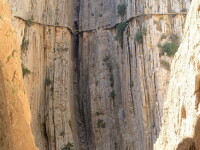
(49, 57)
(180, 129)
(96, 14)
(15, 116)
(89, 88)
(134, 73)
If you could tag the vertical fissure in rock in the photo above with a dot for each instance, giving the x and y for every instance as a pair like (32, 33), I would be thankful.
(82, 93)
(130, 66)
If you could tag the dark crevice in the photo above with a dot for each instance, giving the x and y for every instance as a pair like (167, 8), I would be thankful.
(45, 95)
(135, 55)
(82, 92)
(130, 66)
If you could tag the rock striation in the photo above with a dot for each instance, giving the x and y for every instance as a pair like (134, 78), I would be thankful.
(15, 116)
(180, 128)
(97, 75)
(123, 82)
(45, 30)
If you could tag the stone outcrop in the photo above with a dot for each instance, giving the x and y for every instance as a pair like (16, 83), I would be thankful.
(180, 129)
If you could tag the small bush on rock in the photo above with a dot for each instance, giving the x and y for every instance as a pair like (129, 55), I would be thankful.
(121, 8)
(120, 29)
(112, 94)
(101, 123)
(47, 82)
(29, 22)
(25, 71)
(68, 146)
(170, 48)
(139, 37)
(24, 45)
(184, 10)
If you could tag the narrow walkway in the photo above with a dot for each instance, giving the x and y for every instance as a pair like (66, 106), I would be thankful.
(106, 28)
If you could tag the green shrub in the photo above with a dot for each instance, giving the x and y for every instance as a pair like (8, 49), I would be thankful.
(8, 58)
(112, 94)
(163, 36)
(120, 29)
(68, 146)
(29, 22)
(139, 37)
(13, 91)
(107, 58)
(47, 82)
(99, 113)
(14, 51)
(121, 8)
(112, 80)
(101, 123)
(121, 26)
(170, 48)
(24, 45)
(25, 70)
(184, 10)
(62, 133)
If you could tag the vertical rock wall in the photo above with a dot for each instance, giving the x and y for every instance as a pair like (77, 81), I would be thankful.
(15, 117)
(114, 99)
(45, 29)
(180, 128)
(122, 83)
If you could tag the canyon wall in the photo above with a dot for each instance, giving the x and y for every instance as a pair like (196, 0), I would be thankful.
(15, 117)
(180, 129)
(96, 77)
(123, 82)
(45, 30)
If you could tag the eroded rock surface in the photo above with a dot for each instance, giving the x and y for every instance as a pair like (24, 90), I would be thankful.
(45, 29)
(122, 83)
(180, 129)
(15, 117)
(86, 87)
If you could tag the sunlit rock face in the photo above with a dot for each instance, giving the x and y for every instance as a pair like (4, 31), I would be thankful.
(15, 117)
(180, 129)
(44, 29)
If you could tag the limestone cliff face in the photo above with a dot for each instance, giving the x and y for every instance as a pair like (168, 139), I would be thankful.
(91, 84)
(181, 122)
(15, 117)
(122, 84)
(45, 31)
